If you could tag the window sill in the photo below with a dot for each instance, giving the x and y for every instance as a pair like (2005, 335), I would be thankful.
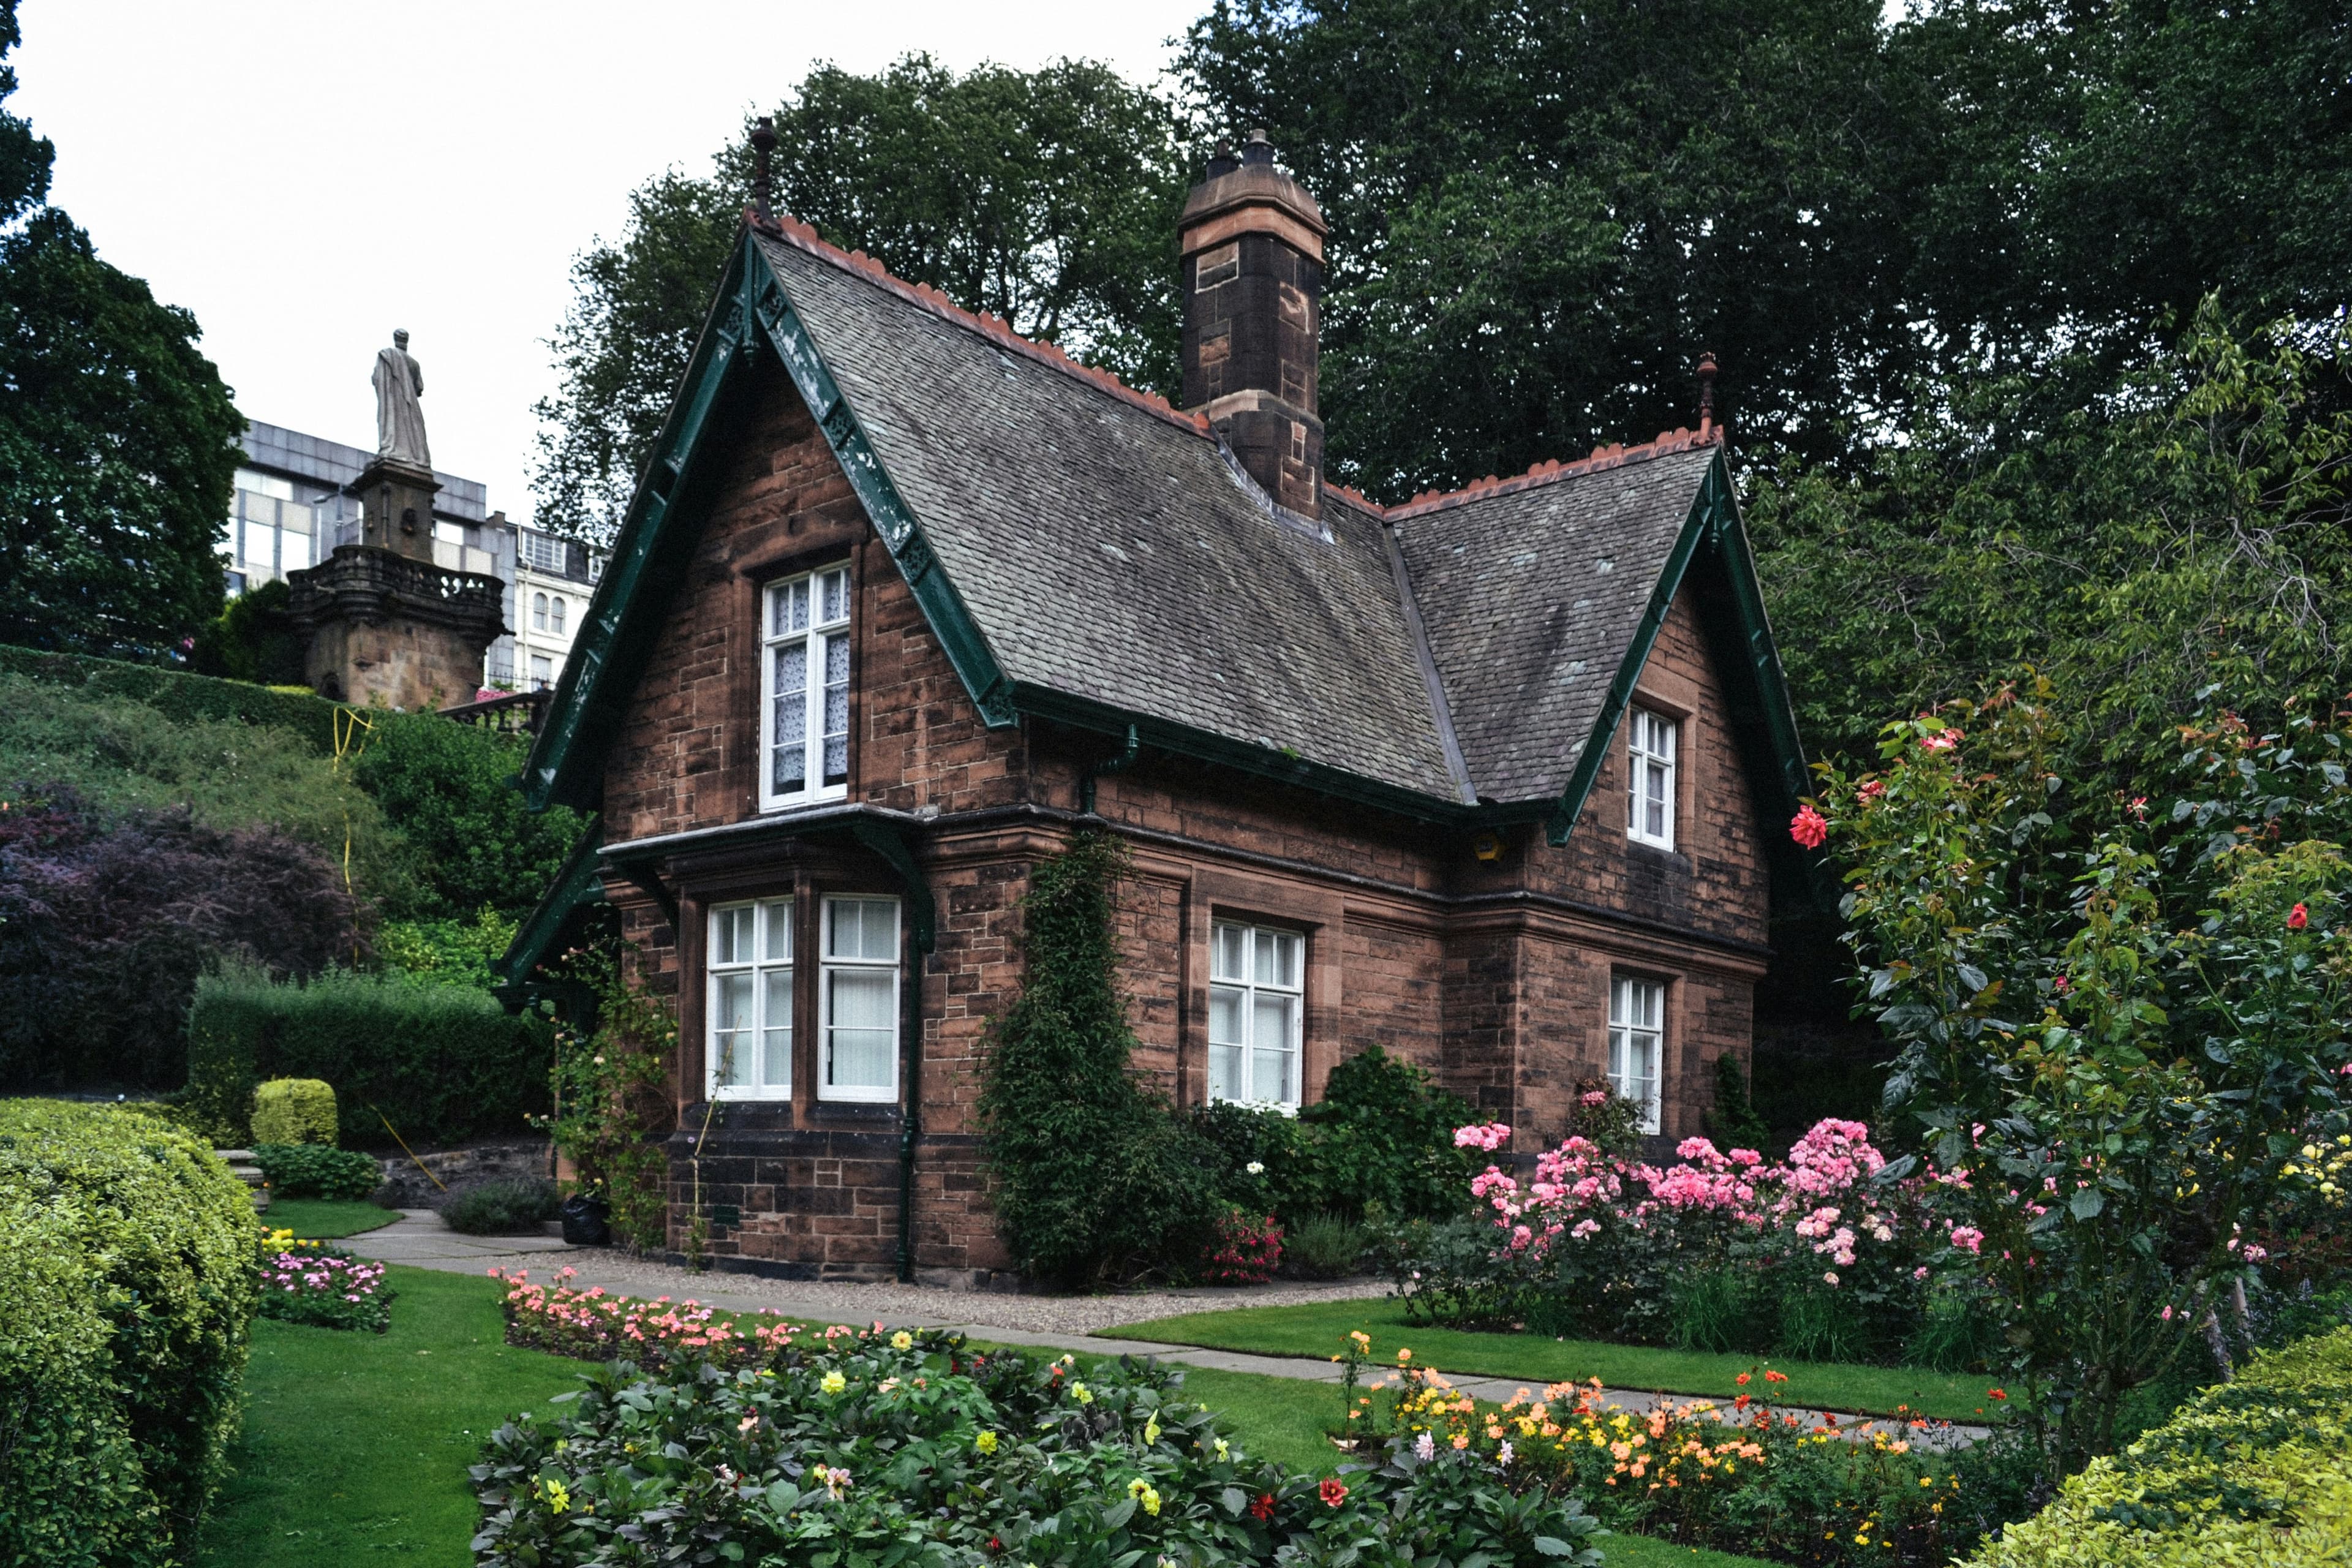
(853, 1111)
(833, 796)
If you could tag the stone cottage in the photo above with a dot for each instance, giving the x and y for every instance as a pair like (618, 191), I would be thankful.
(1495, 779)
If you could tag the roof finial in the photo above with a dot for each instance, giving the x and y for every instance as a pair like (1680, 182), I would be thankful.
(1706, 395)
(763, 181)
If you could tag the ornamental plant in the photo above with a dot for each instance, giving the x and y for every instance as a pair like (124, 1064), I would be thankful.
(595, 1325)
(609, 1085)
(2120, 1023)
(322, 1285)
(1242, 1250)
(909, 1449)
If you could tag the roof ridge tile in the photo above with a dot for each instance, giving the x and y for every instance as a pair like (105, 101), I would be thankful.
(1614, 455)
(997, 330)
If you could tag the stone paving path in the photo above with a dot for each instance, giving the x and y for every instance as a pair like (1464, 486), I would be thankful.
(420, 1240)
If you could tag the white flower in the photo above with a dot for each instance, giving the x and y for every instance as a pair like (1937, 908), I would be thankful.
(1503, 1455)
(1424, 1447)
(1255, 1167)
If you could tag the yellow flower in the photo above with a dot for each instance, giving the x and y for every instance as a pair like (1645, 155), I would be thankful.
(833, 1383)
(1152, 1430)
(1078, 1392)
(1140, 1489)
(902, 1340)
(985, 1442)
(558, 1498)
(1222, 1450)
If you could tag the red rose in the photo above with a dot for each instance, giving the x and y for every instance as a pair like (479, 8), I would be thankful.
(1332, 1493)
(2298, 918)
(1809, 827)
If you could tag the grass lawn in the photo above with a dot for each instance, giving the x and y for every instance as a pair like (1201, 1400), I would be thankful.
(325, 1219)
(1318, 1330)
(355, 1445)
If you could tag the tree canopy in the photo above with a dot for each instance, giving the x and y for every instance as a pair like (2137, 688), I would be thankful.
(118, 440)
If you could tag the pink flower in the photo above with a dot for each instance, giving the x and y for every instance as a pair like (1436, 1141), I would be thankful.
(1809, 827)
(1942, 741)
(1968, 1236)
(2298, 918)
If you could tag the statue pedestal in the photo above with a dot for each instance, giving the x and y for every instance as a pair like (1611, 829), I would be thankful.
(383, 626)
(397, 507)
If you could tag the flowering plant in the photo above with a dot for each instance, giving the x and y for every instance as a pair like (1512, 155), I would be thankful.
(1242, 1250)
(319, 1284)
(594, 1324)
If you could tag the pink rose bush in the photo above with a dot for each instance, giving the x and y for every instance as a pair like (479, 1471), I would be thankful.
(595, 1325)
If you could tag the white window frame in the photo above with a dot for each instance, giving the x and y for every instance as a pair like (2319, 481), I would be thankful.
(1652, 741)
(782, 630)
(1245, 987)
(556, 613)
(1637, 1018)
(770, 933)
(538, 612)
(830, 967)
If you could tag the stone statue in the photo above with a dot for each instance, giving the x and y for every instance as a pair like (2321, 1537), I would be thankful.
(399, 420)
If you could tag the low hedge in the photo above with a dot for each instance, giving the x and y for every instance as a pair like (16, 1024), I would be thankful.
(316, 1170)
(441, 1063)
(2256, 1471)
(177, 694)
(126, 1284)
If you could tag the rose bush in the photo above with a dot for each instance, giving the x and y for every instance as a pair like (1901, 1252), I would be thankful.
(907, 1449)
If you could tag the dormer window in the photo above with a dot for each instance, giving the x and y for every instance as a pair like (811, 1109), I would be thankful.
(804, 719)
(1650, 774)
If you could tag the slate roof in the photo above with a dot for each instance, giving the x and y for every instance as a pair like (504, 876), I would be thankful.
(1531, 595)
(1110, 551)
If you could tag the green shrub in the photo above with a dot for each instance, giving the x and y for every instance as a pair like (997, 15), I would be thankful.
(501, 1208)
(439, 1063)
(2257, 1472)
(126, 1282)
(180, 696)
(1094, 1175)
(1958, 1332)
(317, 1171)
(448, 790)
(448, 952)
(1819, 1322)
(1732, 1120)
(294, 1110)
(1326, 1247)
(1384, 1133)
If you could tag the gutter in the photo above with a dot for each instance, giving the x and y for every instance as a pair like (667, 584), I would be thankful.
(1117, 765)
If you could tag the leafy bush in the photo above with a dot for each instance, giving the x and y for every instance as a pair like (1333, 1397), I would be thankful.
(2255, 1472)
(294, 1110)
(440, 1063)
(126, 1279)
(447, 789)
(504, 1207)
(317, 1171)
(106, 926)
(1242, 1250)
(1327, 1247)
(448, 952)
(1095, 1175)
(320, 1284)
(611, 1088)
(908, 1449)
(253, 638)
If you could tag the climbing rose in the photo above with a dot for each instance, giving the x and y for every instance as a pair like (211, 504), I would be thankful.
(1809, 827)
(2298, 918)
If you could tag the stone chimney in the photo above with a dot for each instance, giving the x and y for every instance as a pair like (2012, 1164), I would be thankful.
(1253, 271)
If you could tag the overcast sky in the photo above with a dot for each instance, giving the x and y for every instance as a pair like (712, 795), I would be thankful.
(305, 177)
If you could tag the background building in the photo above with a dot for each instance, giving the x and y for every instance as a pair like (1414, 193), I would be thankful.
(295, 503)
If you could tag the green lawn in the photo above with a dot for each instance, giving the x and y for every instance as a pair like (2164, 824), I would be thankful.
(1319, 1327)
(355, 1445)
(324, 1219)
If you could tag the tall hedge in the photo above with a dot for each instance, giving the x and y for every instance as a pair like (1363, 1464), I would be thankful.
(2253, 1472)
(441, 1063)
(126, 1284)
(178, 695)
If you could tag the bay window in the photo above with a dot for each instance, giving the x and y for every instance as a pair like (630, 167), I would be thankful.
(749, 1055)
(1256, 1006)
(857, 1000)
(804, 674)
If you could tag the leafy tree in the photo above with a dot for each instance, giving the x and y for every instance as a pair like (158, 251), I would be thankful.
(2186, 529)
(1049, 197)
(253, 638)
(2119, 1023)
(117, 441)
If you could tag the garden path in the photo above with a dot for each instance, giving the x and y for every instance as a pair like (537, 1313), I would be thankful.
(419, 1240)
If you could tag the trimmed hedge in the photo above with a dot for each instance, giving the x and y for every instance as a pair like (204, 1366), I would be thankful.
(294, 1110)
(2258, 1471)
(179, 695)
(126, 1284)
(442, 1064)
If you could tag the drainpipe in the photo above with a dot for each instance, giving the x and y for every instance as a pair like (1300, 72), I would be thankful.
(1117, 765)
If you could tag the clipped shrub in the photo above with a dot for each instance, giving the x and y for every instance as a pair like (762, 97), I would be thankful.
(2256, 1471)
(1326, 1247)
(501, 1208)
(317, 1171)
(126, 1280)
(439, 1063)
(294, 1110)
(182, 698)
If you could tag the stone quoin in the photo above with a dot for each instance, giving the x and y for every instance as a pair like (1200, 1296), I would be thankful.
(1492, 780)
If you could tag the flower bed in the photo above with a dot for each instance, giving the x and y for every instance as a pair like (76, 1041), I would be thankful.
(907, 1449)
(597, 1326)
(322, 1285)
(1747, 1476)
